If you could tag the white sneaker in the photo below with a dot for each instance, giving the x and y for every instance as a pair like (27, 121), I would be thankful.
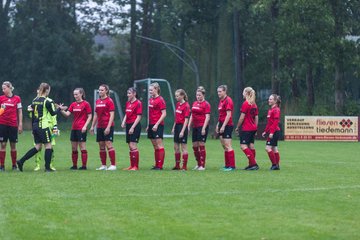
(200, 168)
(102, 167)
(111, 168)
(196, 167)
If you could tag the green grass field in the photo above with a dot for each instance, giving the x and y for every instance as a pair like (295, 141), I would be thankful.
(314, 196)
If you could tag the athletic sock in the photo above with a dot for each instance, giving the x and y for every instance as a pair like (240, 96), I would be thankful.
(2, 158)
(48, 153)
(185, 160)
(277, 157)
(131, 158)
(156, 156)
(161, 157)
(103, 156)
(13, 157)
(74, 157)
(202, 154)
(231, 158)
(135, 158)
(272, 157)
(177, 160)
(29, 154)
(84, 157)
(196, 154)
(226, 159)
(112, 156)
(250, 156)
(254, 152)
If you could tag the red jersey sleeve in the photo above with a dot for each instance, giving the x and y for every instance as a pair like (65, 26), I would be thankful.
(138, 110)
(187, 111)
(244, 107)
(88, 108)
(276, 118)
(207, 108)
(229, 105)
(111, 105)
(162, 104)
(71, 108)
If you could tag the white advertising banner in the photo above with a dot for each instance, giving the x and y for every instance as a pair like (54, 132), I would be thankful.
(321, 128)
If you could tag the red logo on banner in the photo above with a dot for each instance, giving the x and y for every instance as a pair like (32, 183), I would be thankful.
(346, 123)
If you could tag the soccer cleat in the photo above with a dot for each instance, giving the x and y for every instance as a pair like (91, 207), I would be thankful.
(49, 170)
(156, 168)
(275, 167)
(228, 169)
(251, 168)
(176, 168)
(184, 168)
(14, 167)
(111, 168)
(52, 167)
(200, 168)
(74, 168)
(134, 169)
(20, 165)
(83, 168)
(102, 167)
(2, 169)
(37, 168)
(196, 167)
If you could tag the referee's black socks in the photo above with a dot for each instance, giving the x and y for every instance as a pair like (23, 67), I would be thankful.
(29, 154)
(48, 153)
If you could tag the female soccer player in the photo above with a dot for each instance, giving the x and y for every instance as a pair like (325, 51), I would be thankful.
(199, 120)
(10, 123)
(81, 110)
(132, 124)
(225, 126)
(104, 118)
(180, 129)
(272, 131)
(155, 130)
(43, 109)
(248, 121)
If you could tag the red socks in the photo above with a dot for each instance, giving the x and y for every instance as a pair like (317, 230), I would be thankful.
(159, 157)
(185, 160)
(2, 158)
(13, 157)
(229, 159)
(112, 156)
(277, 157)
(272, 157)
(74, 157)
(84, 157)
(177, 160)
(202, 156)
(196, 154)
(103, 156)
(249, 154)
(134, 158)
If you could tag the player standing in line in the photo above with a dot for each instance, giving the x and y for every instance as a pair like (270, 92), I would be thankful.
(272, 131)
(104, 118)
(180, 129)
(131, 123)
(199, 120)
(11, 119)
(81, 110)
(42, 108)
(248, 121)
(155, 130)
(225, 126)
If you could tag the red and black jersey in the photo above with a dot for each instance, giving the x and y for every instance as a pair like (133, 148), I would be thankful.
(182, 111)
(80, 111)
(250, 111)
(132, 110)
(11, 105)
(273, 119)
(156, 105)
(224, 106)
(199, 111)
(103, 107)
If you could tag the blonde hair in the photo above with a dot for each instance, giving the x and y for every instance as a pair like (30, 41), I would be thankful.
(44, 89)
(182, 92)
(9, 85)
(250, 95)
(277, 99)
(201, 89)
(156, 86)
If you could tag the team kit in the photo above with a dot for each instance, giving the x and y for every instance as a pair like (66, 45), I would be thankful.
(193, 119)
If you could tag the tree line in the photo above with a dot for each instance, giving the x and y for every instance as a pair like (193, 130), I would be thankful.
(306, 50)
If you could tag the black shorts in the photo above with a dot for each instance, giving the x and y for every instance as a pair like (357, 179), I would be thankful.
(101, 137)
(274, 140)
(8, 133)
(42, 135)
(227, 134)
(77, 136)
(177, 130)
(135, 137)
(247, 137)
(159, 133)
(196, 134)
